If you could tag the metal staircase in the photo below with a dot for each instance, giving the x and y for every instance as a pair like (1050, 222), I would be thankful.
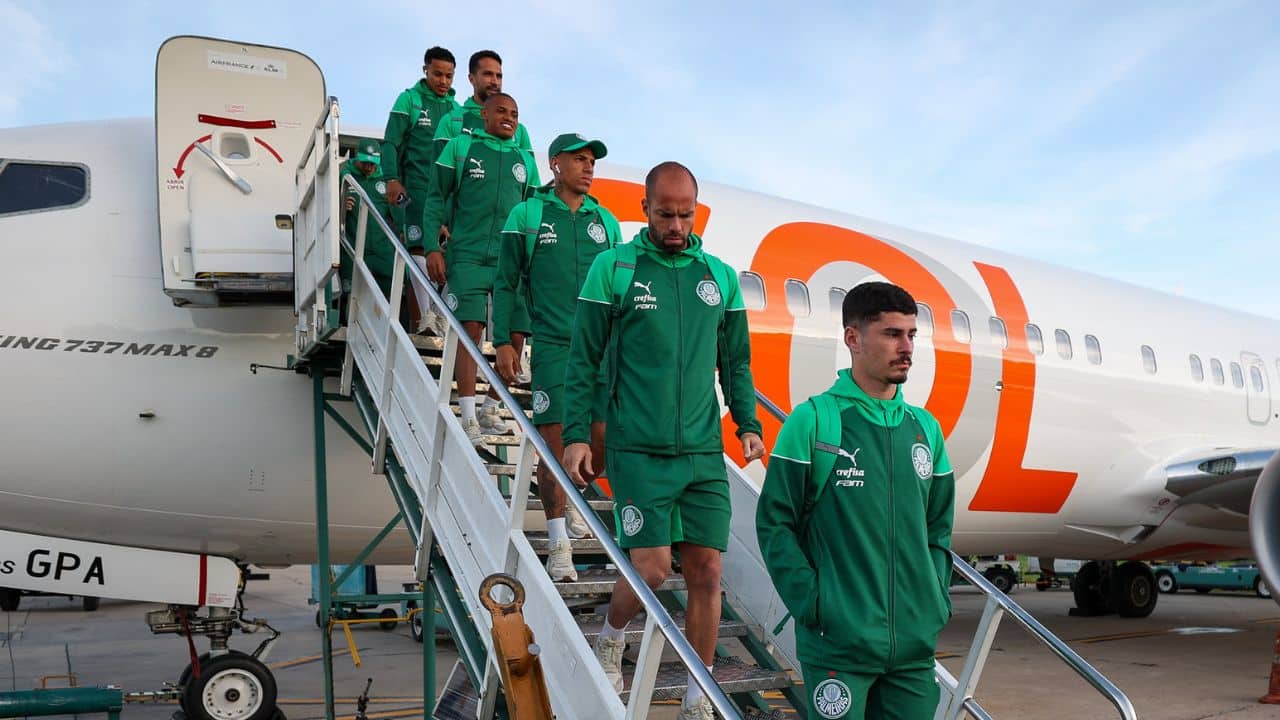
(466, 508)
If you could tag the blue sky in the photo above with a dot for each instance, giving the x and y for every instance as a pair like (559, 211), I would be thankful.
(1139, 141)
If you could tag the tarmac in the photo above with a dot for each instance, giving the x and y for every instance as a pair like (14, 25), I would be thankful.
(1197, 656)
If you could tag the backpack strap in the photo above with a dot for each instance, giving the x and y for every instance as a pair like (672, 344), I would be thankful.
(826, 445)
(460, 159)
(532, 224)
(612, 231)
(624, 269)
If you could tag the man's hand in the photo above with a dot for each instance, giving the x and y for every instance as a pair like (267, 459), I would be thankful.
(577, 462)
(394, 191)
(508, 363)
(445, 236)
(752, 446)
(436, 267)
(349, 204)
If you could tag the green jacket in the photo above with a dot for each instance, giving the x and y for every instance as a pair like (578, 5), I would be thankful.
(408, 144)
(864, 566)
(550, 265)
(669, 330)
(378, 252)
(465, 119)
(478, 179)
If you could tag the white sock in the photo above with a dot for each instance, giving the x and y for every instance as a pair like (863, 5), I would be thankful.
(694, 693)
(489, 402)
(556, 531)
(468, 406)
(609, 632)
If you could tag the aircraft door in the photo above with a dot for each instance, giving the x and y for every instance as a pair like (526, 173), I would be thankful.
(1257, 387)
(232, 121)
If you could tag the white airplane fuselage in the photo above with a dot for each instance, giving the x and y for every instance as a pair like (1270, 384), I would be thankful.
(132, 421)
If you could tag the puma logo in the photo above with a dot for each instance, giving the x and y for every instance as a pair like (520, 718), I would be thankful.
(845, 454)
(477, 162)
(643, 286)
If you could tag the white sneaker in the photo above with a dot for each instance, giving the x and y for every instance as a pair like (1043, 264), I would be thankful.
(700, 710)
(575, 525)
(472, 429)
(560, 563)
(609, 653)
(491, 422)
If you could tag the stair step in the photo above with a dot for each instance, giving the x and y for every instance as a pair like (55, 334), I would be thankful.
(435, 342)
(733, 675)
(599, 581)
(591, 624)
(482, 388)
(503, 412)
(597, 505)
(542, 544)
(500, 439)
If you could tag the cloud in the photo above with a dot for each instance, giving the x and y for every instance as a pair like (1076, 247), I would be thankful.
(32, 58)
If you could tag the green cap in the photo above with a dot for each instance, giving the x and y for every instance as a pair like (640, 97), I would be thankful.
(569, 142)
(369, 151)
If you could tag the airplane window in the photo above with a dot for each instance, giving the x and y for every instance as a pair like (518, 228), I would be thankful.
(752, 286)
(1216, 367)
(1255, 375)
(1237, 375)
(998, 332)
(924, 322)
(1093, 350)
(33, 187)
(837, 303)
(1197, 368)
(960, 326)
(1035, 341)
(1063, 341)
(1148, 359)
(797, 298)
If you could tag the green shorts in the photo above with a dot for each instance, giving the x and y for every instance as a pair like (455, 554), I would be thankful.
(549, 363)
(660, 500)
(413, 231)
(470, 293)
(897, 695)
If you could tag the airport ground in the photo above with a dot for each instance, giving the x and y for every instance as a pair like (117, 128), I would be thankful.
(1197, 656)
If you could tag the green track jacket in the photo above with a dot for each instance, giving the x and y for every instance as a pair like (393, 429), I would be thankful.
(408, 144)
(864, 566)
(564, 245)
(378, 253)
(670, 329)
(466, 119)
(478, 179)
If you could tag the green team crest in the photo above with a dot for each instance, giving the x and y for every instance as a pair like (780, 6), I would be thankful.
(632, 520)
(595, 231)
(831, 698)
(922, 461)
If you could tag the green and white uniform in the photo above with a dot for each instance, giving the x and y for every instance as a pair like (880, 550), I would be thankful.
(478, 180)
(466, 118)
(860, 554)
(546, 252)
(379, 254)
(668, 321)
(409, 149)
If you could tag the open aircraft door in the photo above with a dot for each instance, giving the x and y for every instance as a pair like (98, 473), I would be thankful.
(232, 121)
(1257, 387)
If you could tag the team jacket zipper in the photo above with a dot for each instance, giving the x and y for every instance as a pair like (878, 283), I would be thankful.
(893, 544)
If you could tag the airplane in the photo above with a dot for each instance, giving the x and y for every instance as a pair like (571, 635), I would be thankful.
(1084, 417)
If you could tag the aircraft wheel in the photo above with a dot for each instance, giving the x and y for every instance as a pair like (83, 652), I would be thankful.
(1086, 587)
(1135, 590)
(185, 677)
(90, 603)
(1166, 582)
(390, 618)
(234, 686)
(1260, 588)
(10, 599)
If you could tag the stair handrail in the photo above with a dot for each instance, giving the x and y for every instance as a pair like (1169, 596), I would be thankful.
(999, 600)
(655, 612)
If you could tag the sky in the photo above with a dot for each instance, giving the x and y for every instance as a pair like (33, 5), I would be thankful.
(1139, 141)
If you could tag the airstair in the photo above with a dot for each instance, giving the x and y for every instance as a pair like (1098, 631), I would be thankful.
(466, 509)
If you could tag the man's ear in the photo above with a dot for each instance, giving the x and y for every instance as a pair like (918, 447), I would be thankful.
(644, 206)
(852, 339)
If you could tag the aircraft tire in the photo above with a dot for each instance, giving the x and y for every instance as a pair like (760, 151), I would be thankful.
(10, 599)
(234, 686)
(1134, 589)
(1260, 588)
(185, 677)
(1166, 582)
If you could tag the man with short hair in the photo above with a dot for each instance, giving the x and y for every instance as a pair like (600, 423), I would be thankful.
(479, 177)
(484, 72)
(669, 313)
(854, 524)
(379, 254)
(548, 245)
(409, 149)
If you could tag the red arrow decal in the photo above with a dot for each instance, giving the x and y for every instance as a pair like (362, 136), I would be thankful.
(177, 170)
(272, 150)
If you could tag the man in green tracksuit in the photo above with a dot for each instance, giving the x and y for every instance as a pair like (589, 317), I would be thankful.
(854, 523)
(409, 149)
(548, 245)
(484, 72)
(669, 313)
(479, 177)
(378, 252)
